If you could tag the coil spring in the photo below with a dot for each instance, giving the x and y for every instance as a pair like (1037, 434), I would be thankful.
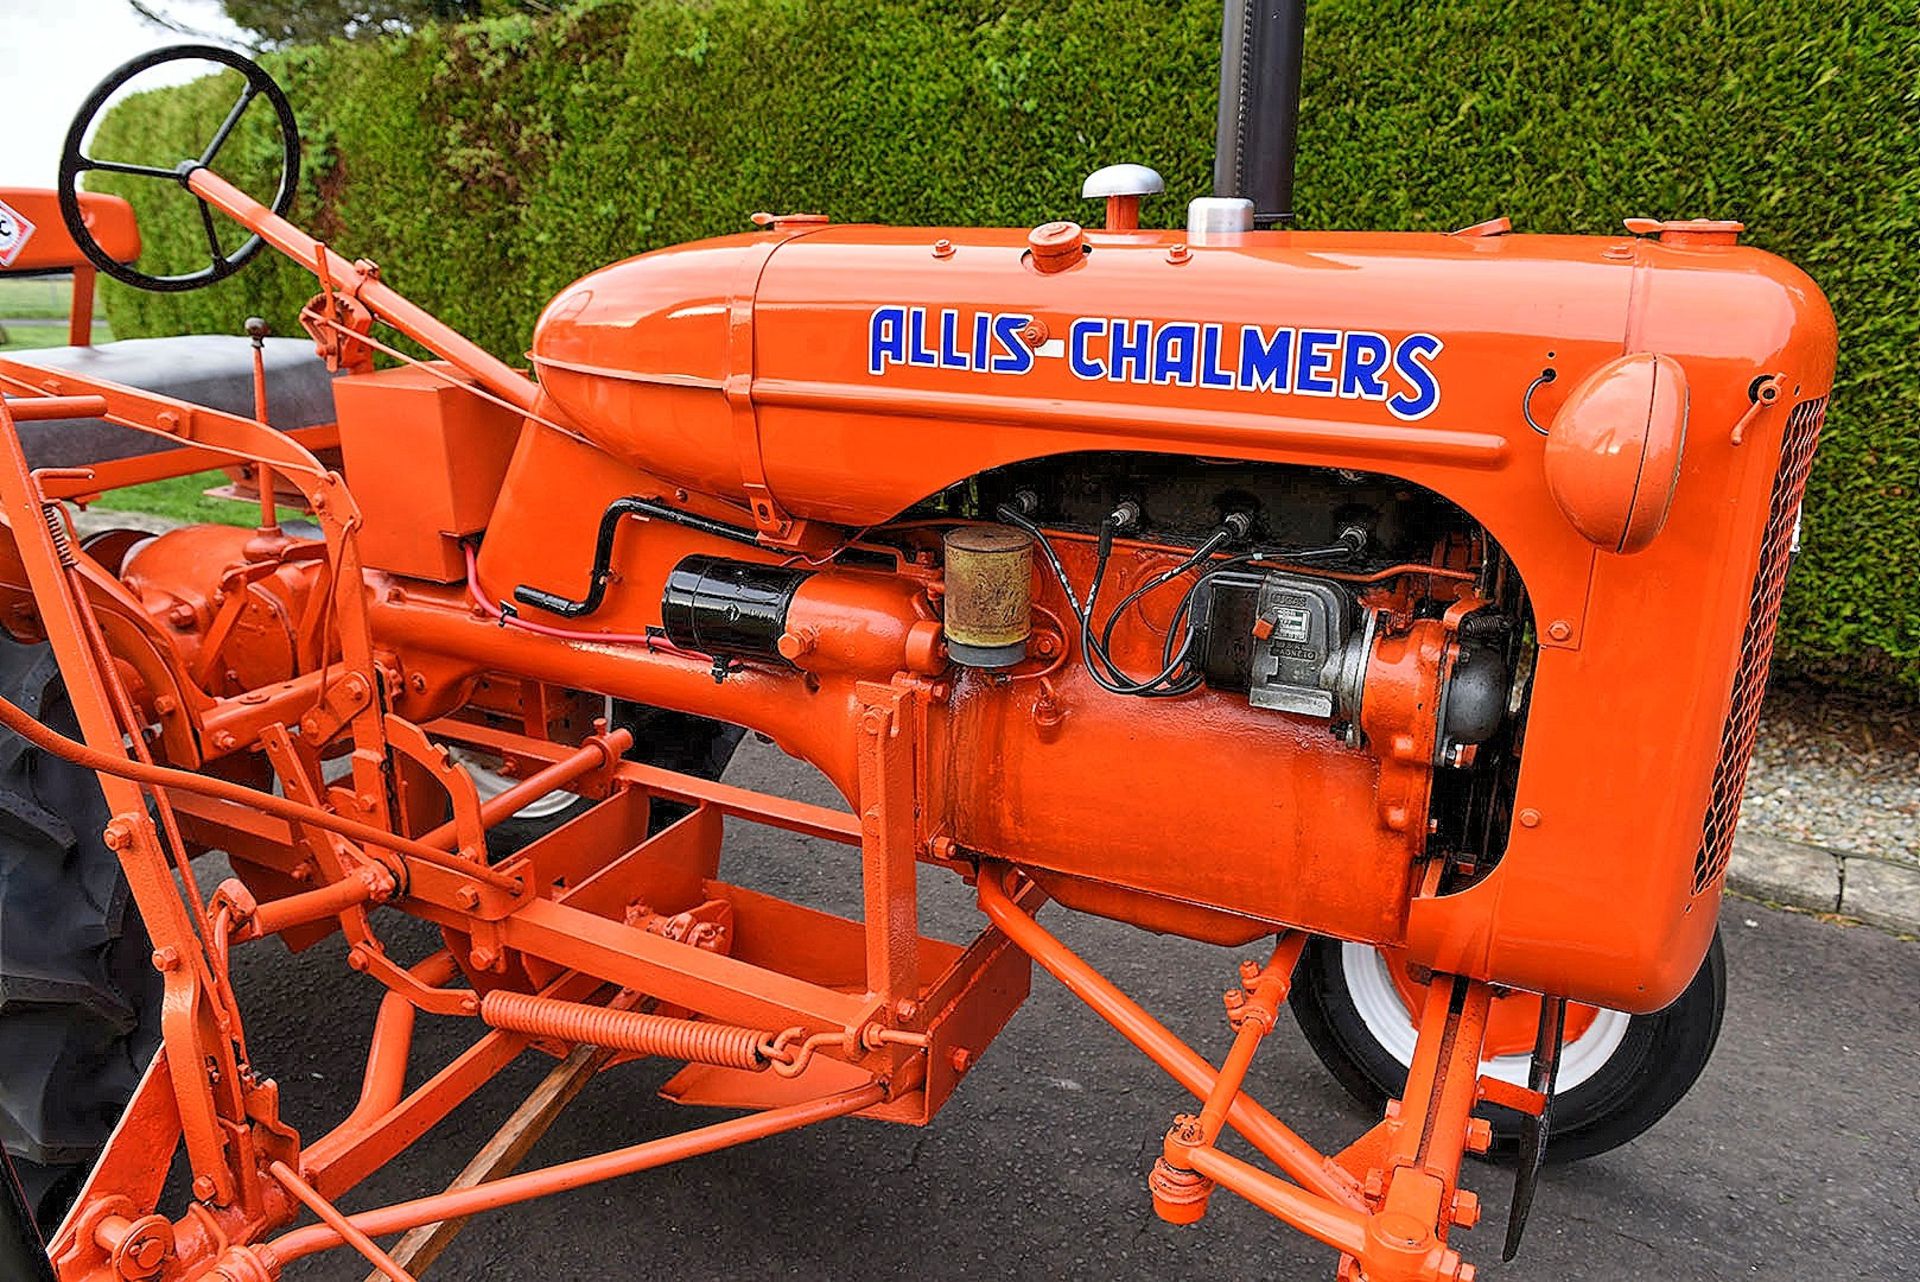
(57, 528)
(724, 1045)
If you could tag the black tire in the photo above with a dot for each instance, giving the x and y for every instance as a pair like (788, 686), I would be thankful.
(79, 997)
(1656, 1062)
(674, 740)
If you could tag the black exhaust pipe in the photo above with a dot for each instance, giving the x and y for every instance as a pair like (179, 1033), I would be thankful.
(1260, 47)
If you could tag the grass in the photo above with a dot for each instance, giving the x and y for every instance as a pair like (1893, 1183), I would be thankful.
(42, 302)
(35, 297)
(184, 499)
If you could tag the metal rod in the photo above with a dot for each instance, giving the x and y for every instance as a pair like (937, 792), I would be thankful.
(337, 1222)
(385, 1081)
(80, 312)
(1339, 1227)
(1262, 1129)
(597, 752)
(584, 1171)
(381, 299)
(1256, 1021)
(34, 409)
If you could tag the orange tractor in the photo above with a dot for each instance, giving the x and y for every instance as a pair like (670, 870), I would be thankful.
(1397, 603)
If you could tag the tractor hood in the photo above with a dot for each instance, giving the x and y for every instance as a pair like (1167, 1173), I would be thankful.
(845, 372)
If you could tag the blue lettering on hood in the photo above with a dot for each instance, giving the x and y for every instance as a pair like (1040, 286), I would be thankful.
(1399, 371)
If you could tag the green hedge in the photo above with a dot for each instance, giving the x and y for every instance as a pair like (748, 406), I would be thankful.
(487, 166)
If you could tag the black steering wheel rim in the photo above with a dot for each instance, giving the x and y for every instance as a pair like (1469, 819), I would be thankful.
(74, 162)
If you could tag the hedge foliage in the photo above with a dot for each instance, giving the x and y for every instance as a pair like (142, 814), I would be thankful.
(487, 166)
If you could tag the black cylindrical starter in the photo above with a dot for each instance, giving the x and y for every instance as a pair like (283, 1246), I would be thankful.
(719, 606)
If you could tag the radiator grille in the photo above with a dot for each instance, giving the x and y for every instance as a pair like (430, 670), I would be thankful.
(1756, 643)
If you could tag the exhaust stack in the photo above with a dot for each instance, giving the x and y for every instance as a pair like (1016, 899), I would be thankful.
(1260, 49)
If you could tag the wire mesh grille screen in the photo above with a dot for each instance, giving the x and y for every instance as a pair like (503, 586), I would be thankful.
(1756, 643)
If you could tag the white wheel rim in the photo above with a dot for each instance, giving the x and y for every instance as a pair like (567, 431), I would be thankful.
(1384, 1012)
(489, 782)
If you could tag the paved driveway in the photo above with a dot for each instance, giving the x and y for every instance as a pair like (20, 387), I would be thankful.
(1796, 1157)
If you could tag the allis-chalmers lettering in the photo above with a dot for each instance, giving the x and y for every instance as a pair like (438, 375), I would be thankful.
(1284, 360)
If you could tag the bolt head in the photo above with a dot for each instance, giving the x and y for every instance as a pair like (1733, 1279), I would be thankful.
(203, 1187)
(467, 897)
(147, 1251)
(166, 959)
(1479, 1134)
(1560, 630)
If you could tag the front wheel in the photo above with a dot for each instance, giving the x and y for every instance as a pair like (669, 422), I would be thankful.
(1618, 1075)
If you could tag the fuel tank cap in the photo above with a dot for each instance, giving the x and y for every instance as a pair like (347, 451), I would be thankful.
(1688, 231)
(1056, 246)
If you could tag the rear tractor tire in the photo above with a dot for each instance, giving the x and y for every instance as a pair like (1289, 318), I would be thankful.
(79, 997)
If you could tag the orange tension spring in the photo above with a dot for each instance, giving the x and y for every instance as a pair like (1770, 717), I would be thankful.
(725, 1045)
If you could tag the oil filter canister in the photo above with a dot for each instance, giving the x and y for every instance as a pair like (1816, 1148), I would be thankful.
(989, 595)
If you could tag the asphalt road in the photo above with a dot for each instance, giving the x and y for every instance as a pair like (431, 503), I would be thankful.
(1797, 1155)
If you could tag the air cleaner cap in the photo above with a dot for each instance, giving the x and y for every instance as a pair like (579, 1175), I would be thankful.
(1123, 180)
(1122, 186)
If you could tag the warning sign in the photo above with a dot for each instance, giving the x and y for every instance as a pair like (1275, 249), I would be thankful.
(15, 232)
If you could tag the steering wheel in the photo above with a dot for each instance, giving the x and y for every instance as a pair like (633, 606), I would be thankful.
(74, 162)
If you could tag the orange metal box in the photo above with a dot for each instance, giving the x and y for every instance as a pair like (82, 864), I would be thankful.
(425, 460)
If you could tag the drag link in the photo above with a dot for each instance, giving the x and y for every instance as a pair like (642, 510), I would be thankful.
(696, 1041)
